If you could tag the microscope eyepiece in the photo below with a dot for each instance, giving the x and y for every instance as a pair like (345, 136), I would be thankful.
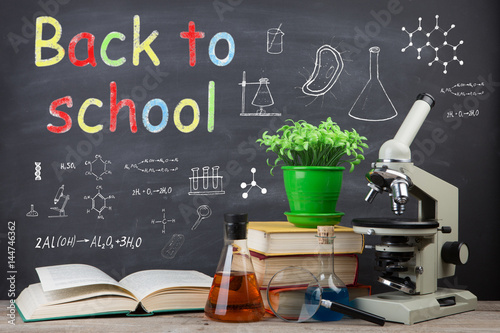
(427, 98)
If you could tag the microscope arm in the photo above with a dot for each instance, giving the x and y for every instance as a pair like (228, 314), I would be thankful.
(63, 207)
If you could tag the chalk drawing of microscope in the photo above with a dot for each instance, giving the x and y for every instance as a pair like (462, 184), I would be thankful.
(57, 199)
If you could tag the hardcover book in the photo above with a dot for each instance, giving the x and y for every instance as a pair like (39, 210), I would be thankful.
(283, 238)
(345, 266)
(77, 290)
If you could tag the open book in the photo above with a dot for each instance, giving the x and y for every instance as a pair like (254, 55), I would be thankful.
(76, 290)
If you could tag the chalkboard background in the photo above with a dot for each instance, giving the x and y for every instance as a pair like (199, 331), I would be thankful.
(140, 205)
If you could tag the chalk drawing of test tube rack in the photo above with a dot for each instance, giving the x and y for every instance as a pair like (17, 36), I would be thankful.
(262, 98)
(206, 184)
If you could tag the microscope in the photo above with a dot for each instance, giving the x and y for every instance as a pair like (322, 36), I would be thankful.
(60, 195)
(414, 253)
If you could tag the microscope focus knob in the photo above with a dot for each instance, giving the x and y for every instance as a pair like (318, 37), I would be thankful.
(455, 253)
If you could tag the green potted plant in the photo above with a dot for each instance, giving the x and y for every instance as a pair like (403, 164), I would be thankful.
(311, 158)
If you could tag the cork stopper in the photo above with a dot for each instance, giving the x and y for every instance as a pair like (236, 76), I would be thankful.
(326, 234)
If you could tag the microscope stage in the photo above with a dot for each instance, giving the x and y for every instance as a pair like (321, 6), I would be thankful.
(394, 226)
(395, 223)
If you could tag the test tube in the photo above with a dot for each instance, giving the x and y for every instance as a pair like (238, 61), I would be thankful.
(215, 177)
(195, 178)
(205, 177)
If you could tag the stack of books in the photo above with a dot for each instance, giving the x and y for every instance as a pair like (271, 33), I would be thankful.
(275, 245)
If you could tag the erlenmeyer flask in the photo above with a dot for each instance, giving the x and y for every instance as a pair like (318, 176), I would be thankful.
(333, 289)
(263, 96)
(235, 295)
(373, 103)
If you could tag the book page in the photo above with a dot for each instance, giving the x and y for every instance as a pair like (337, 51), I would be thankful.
(75, 294)
(34, 303)
(72, 275)
(144, 283)
(79, 293)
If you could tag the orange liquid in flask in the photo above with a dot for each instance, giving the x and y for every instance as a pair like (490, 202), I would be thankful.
(235, 298)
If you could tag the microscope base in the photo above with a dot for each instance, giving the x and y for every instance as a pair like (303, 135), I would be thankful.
(410, 309)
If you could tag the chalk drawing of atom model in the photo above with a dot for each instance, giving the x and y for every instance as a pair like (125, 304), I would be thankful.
(252, 184)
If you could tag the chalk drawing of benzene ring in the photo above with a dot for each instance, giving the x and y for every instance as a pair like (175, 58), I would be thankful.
(98, 167)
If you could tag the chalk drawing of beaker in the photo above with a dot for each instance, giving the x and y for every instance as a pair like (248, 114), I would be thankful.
(373, 103)
(275, 40)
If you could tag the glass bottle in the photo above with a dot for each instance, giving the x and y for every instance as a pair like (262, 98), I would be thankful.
(235, 295)
(373, 103)
(333, 289)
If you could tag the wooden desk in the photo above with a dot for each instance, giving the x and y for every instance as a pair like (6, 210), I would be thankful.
(485, 319)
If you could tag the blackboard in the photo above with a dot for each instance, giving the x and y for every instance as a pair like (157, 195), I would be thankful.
(132, 195)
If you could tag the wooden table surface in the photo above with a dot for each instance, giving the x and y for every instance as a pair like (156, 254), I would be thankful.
(485, 319)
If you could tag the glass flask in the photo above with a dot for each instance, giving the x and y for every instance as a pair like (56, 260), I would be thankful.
(373, 103)
(332, 287)
(235, 295)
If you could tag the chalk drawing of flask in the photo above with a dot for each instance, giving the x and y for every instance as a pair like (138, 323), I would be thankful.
(373, 103)
(263, 96)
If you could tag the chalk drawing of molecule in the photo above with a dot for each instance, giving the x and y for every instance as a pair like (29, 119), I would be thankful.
(163, 221)
(439, 50)
(99, 202)
(252, 185)
(98, 167)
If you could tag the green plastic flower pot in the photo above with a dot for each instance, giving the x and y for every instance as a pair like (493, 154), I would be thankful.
(310, 220)
(313, 191)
